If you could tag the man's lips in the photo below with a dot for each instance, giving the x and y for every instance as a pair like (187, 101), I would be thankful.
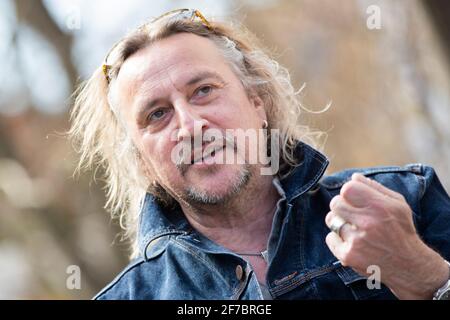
(199, 156)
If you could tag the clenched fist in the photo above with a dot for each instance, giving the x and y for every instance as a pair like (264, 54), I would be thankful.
(379, 230)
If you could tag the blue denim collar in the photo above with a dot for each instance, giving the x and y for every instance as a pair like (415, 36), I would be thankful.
(307, 174)
(155, 221)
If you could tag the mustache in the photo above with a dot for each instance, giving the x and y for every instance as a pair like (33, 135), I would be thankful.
(190, 153)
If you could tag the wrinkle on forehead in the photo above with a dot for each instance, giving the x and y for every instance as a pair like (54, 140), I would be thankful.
(166, 62)
(161, 82)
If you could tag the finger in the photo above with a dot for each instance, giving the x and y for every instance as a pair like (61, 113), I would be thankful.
(376, 185)
(358, 194)
(334, 201)
(347, 231)
(336, 245)
(342, 208)
(328, 218)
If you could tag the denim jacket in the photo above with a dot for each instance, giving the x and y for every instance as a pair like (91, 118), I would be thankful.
(177, 262)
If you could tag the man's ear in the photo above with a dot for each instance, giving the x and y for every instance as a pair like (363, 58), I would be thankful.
(258, 104)
(143, 165)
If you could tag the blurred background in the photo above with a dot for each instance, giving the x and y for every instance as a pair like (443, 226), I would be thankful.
(384, 65)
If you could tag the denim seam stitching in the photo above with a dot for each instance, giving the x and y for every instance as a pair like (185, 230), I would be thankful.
(163, 232)
(311, 183)
(302, 279)
(119, 277)
(369, 172)
(195, 255)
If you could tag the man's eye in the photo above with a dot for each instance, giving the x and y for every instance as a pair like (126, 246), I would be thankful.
(203, 91)
(158, 114)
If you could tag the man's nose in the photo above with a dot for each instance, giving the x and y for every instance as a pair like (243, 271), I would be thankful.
(191, 122)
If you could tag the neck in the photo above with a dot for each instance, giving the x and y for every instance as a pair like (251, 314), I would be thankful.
(241, 224)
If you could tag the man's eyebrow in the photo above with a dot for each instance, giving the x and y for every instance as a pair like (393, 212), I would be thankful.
(204, 75)
(198, 77)
(146, 106)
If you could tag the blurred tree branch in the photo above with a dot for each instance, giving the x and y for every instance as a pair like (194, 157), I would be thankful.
(36, 15)
(439, 10)
(58, 218)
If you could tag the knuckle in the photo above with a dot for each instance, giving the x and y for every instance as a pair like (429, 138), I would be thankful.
(404, 206)
(347, 187)
(367, 224)
(334, 201)
(400, 197)
(340, 205)
(328, 238)
(343, 206)
(329, 217)
(381, 207)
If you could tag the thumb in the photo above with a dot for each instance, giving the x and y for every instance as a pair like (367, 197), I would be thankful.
(376, 185)
(357, 194)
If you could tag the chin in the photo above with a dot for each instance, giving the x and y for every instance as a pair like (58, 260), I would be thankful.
(218, 185)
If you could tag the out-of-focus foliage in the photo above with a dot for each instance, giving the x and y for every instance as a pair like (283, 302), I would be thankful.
(389, 87)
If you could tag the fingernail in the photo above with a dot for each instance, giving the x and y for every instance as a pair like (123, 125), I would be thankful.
(360, 177)
(357, 175)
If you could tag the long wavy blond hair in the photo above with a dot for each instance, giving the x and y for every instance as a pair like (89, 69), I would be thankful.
(98, 133)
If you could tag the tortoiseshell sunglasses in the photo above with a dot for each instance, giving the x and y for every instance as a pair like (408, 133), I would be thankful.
(181, 14)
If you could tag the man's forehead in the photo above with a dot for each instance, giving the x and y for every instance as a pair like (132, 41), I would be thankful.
(150, 72)
(176, 56)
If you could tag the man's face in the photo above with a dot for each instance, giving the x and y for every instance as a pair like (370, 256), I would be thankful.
(166, 89)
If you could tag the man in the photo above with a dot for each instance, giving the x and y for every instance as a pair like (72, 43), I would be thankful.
(205, 229)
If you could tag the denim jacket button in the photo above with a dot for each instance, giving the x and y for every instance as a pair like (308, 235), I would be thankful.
(239, 272)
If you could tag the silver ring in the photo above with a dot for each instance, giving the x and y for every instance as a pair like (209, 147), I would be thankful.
(336, 224)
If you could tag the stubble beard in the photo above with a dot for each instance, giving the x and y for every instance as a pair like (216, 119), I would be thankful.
(241, 179)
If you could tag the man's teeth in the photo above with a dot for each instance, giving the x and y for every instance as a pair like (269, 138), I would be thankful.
(212, 154)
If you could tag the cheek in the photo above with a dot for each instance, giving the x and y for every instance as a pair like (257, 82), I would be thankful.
(234, 113)
(241, 113)
(158, 152)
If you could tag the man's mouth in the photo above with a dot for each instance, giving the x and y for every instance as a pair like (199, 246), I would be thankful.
(199, 156)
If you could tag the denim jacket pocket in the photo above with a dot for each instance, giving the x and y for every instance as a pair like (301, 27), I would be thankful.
(358, 285)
